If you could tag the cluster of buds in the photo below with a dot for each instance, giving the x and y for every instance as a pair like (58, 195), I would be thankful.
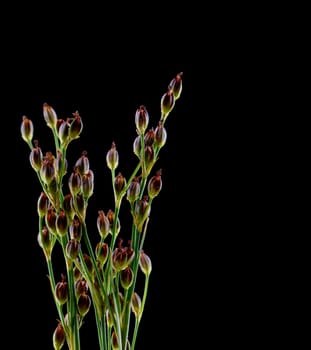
(105, 276)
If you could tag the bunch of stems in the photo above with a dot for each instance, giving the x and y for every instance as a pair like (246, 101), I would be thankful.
(103, 276)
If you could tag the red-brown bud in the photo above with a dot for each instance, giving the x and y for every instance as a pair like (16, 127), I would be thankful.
(47, 170)
(42, 204)
(36, 157)
(87, 184)
(160, 135)
(103, 224)
(145, 263)
(76, 126)
(61, 291)
(81, 287)
(75, 229)
(126, 277)
(133, 190)
(142, 211)
(149, 137)
(167, 103)
(74, 182)
(136, 305)
(155, 185)
(102, 252)
(141, 119)
(50, 220)
(72, 249)
(176, 85)
(83, 164)
(61, 223)
(119, 184)
(63, 133)
(84, 304)
(59, 337)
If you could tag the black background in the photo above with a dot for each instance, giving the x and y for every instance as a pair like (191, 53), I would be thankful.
(208, 224)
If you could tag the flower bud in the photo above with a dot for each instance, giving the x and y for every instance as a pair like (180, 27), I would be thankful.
(136, 305)
(27, 129)
(137, 146)
(76, 126)
(67, 204)
(77, 275)
(160, 135)
(176, 85)
(141, 119)
(126, 277)
(63, 133)
(81, 287)
(88, 263)
(74, 182)
(75, 229)
(50, 116)
(142, 211)
(79, 207)
(114, 341)
(61, 223)
(145, 263)
(102, 252)
(87, 184)
(103, 224)
(45, 241)
(112, 157)
(110, 216)
(83, 164)
(84, 304)
(47, 170)
(50, 220)
(59, 337)
(122, 257)
(36, 157)
(60, 165)
(167, 103)
(61, 291)
(133, 190)
(42, 204)
(149, 137)
(149, 157)
(119, 184)
(155, 185)
(73, 248)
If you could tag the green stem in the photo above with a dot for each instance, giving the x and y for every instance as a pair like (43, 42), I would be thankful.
(138, 318)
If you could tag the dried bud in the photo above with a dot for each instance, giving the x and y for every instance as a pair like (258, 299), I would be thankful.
(176, 85)
(27, 130)
(126, 277)
(61, 223)
(61, 291)
(87, 184)
(75, 229)
(76, 126)
(112, 157)
(84, 304)
(103, 224)
(42, 204)
(155, 185)
(145, 263)
(141, 119)
(133, 190)
(136, 305)
(74, 182)
(102, 252)
(149, 137)
(36, 157)
(82, 164)
(59, 337)
(167, 103)
(73, 248)
(160, 135)
(47, 170)
(119, 184)
(50, 116)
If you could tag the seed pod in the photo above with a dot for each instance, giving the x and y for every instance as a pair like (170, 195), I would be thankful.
(61, 291)
(102, 252)
(83, 164)
(87, 184)
(133, 190)
(103, 224)
(167, 103)
(72, 249)
(119, 184)
(75, 229)
(47, 170)
(126, 277)
(42, 204)
(76, 126)
(81, 287)
(84, 304)
(74, 182)
(36, 157)
(155, 185)
(63, 133)
(137, 146)
(61, 223)
(160, 135)
(136, 305)
(50, 220)
(149, 137)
